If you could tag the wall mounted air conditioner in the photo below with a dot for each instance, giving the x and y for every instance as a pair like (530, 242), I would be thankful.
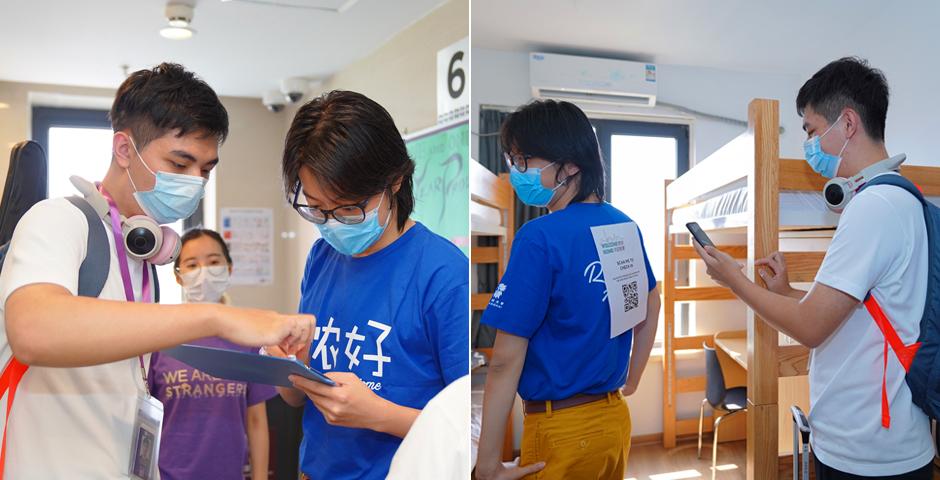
(597, 83)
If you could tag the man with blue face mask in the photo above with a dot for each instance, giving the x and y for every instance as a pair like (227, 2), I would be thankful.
(76, 363)
(174, 196)
(860, 426)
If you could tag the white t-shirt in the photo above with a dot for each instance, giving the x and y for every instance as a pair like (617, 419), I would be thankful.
(880, 246)
(437, 446)
(66, 422)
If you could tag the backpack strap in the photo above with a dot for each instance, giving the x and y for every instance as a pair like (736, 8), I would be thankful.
(96, 266)
(92, 275)
(905, 353)
(9, 380)
(897, 181)
(94, 270)
(156, 286)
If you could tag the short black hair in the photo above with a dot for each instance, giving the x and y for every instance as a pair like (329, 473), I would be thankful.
(352, 145)
(198, 232)
(558, 132)
(848, 82)
(167, 98)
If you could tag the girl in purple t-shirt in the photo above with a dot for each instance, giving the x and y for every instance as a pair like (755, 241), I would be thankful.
(210, 424)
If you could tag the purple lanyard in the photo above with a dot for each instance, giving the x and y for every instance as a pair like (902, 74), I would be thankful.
(118, 233)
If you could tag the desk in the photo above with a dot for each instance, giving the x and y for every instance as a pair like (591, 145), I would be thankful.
(792, 385)
(734, 344)
(732, 355)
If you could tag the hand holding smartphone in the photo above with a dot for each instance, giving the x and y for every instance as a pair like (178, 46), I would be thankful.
(699, 234)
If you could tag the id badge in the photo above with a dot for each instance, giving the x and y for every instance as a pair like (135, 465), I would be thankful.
(145, 442)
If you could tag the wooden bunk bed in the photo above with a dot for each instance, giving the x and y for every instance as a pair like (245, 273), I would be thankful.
(745, 187)
(492, 211)
(491, 215)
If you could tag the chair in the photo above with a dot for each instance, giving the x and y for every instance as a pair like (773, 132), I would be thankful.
(733, 400)
(801, 433)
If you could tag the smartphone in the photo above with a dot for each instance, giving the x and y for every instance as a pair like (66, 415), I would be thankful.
(699, 234)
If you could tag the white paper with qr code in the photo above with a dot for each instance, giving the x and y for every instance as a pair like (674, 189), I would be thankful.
(624, 267)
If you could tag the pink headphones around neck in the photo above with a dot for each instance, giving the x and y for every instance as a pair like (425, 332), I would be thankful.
(144, 239)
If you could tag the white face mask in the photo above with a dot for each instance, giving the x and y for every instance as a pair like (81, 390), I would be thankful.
(205, 284)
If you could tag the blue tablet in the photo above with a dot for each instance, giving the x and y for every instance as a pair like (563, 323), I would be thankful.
(245, 367)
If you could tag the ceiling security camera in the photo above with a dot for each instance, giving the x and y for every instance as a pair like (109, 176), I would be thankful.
(294, 88)
(273, 101)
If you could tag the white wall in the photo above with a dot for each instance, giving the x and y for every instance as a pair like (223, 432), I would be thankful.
(912, 111)
(249, 176)
(502, 78)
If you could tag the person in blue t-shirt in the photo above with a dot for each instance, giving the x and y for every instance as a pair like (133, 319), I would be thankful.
(552, 314)
(391, 298)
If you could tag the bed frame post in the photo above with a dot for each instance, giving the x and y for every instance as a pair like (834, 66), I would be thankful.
(762, 240)
(669, 315)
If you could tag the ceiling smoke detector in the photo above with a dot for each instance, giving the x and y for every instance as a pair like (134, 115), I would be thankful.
(273, 100)
(294, 88)
(179, 16)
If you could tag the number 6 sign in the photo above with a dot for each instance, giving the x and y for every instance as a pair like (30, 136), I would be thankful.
(453, 94)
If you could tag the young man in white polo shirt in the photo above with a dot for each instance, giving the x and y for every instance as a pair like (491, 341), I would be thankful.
(880, 246)
(76, 404)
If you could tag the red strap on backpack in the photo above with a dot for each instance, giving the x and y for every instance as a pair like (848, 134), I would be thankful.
(9, 380)
(905, 353)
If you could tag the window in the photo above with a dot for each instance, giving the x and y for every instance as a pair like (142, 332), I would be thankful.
(85, 152)
(639, 158)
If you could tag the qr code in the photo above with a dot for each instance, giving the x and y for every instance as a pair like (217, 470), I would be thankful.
(631, 299)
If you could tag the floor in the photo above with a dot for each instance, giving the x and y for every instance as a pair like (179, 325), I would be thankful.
(652, 462)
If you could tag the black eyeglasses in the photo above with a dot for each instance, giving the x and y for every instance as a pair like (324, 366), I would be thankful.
(347, 214)
(519, 160)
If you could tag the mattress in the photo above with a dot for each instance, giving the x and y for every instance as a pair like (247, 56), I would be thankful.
(726, 208)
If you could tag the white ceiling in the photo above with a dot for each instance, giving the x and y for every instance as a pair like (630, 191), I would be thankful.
(792, 37)
(240, 49)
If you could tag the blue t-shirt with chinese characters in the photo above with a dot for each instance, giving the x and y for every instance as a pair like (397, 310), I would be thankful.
(398, 319)
(553, 293)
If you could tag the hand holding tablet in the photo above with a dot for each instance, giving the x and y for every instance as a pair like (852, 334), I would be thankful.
(245, 367)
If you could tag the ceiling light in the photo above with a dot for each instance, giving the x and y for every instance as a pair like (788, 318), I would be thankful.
(176, 33)
(179, 16)
(4, 105)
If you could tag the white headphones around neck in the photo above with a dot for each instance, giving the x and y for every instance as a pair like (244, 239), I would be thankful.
(839, 190)
(144, 239)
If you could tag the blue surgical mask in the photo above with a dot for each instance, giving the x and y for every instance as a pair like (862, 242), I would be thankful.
(821, 162)
(529, 188)
(174, 196)
(356, 238)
